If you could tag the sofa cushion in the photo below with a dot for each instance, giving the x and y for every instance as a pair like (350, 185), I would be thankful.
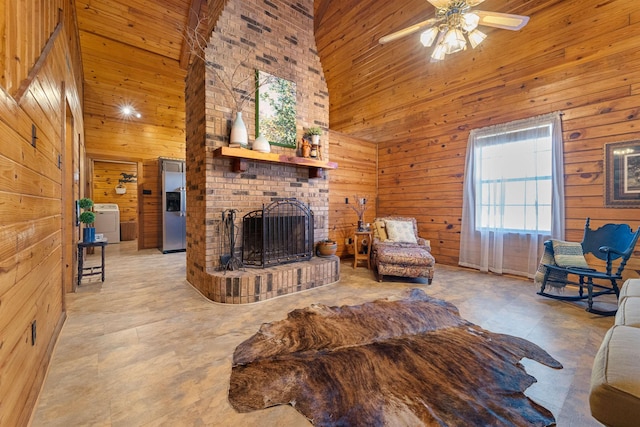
(568, 254)
(630, 288)
(615, 378)
(628, 313)
(401, 231)
(405, 255)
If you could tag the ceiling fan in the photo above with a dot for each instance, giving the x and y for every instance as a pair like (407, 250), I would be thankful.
(454, 23)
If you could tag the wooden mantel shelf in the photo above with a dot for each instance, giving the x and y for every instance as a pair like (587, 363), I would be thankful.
(240, 156)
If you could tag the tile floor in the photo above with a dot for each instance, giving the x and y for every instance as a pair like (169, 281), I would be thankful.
(145, 349)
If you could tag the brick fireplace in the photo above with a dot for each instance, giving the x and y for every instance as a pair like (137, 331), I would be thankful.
(276, 37)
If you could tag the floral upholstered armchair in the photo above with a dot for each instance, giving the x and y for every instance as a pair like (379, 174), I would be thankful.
(398, 251)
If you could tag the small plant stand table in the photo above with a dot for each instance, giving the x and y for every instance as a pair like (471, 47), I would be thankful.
(361, 236)
(94, 270)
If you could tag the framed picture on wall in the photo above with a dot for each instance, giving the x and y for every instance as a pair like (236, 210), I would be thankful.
(622, 174)
(276, 109)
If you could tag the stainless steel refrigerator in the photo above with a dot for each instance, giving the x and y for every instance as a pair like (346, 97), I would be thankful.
(174, 206)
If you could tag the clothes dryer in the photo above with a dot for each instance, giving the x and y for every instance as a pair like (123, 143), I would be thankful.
(108, 221)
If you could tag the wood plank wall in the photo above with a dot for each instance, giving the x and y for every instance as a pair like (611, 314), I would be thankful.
(26, 30)
(579, 57)
(106, 176)
(120, 74)
(150, 206)
(356, 176)
(38, 84)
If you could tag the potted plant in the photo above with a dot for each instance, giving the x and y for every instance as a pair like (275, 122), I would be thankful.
(313, 133)
(326, 248)
(87, 217)
(126, 177)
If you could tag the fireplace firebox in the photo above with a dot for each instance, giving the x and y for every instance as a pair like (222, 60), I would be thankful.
(279, 233)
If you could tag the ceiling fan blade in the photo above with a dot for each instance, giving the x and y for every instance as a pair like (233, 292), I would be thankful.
(506, 21)
(409, 30)
(440, 4)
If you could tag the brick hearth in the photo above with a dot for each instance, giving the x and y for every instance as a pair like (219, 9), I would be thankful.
(254, 285)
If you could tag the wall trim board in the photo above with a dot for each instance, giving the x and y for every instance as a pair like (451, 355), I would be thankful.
(42, 59)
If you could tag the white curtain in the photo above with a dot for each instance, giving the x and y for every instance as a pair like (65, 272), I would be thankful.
(488, 239)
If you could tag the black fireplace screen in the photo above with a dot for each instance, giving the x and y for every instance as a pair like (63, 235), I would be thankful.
(279, 233)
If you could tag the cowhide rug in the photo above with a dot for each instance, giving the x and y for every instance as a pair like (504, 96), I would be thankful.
(410, 362)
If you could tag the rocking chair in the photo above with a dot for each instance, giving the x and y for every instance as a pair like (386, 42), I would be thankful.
(609, 243)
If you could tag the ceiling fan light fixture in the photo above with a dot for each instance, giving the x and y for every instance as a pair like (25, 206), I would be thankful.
(469, 22)
(476, 37)
(454, 41)
(428, 37)
(439, 52)
(454, 26)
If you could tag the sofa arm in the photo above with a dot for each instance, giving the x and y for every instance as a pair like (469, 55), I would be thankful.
(424, 242)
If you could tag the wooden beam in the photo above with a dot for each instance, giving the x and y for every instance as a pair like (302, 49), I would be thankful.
(243, 155)
(39, 63)
(320, 12)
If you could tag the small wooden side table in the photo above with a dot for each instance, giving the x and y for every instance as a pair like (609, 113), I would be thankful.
(90, 271)
(357, 241)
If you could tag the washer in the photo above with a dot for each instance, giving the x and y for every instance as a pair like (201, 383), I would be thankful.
(108, 221)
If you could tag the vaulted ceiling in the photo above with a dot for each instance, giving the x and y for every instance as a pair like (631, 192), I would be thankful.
(133, 52)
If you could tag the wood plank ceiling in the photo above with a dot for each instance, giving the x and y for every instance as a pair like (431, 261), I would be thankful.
(133, 52)
(374, 88)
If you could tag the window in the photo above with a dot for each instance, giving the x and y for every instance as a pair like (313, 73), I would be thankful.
(514, 180)
(513, 195)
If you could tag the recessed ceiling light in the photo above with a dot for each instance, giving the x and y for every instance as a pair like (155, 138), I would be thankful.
(128, 111)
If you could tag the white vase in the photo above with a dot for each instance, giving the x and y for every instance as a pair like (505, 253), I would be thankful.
(239, 137)
(315, 139)
(261, 144)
